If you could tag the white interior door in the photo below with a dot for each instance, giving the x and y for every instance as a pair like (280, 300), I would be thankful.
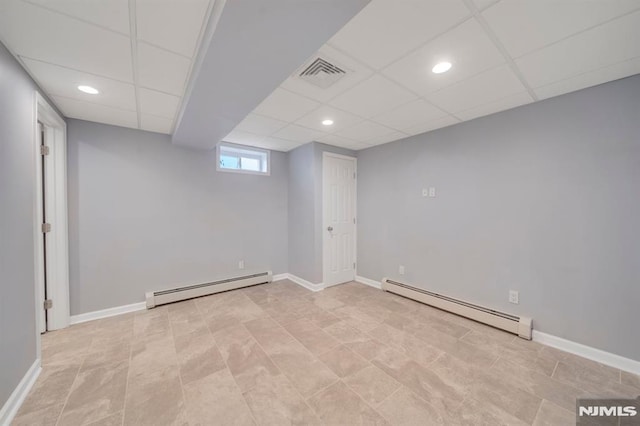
(339, 217)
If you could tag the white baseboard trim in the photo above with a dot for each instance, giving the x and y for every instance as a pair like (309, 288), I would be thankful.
(588, 352)
(369, 282)
(280, 277)
(306, 284)
(106, 313)
(11, 407)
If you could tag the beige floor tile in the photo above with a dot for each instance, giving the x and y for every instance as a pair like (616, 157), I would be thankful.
(406, 408)
(275, 401)
(339, 405)
(95, 394)
(368, 349)
(155, 399)
(630, 379)
(474, 413)
(410, 345)
(46, 416)
(154, 352)
(198, 355)
(106, 353)
(345, 333)
(343, 361)
(493, 389)
(311, 336)
(112, 420)
(246, 360)
(269, 334)
(372, 384)
(430, 385)
(592, 376)
(216, 399)
(51, 388)
(552, 415)
(539, 384)
(307, 373)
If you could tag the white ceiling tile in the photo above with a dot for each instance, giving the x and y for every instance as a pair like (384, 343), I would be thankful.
(508, 102)
(36, 33)
(607, 44)
(158, 103)
(341, 119)
(355, 73)
(592, 78)
(296, 133)
(162, 70)
(64, 82)
(483, 4)
(487, 87)
(173, 25)
(243, 138)
(410, 115)
(387, 29)
(525, 25)
(467, 47)
(277, 144)
(286, 106)
(432, 125)
(111, 14)
(94, 112)
(379, 140)
(260, 125)
(153, 123)
(336, 140)
(372, 97)
(365, 131)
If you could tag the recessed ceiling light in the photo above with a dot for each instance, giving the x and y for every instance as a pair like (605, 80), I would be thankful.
(88, 89)
(327, 122)
(441, 67)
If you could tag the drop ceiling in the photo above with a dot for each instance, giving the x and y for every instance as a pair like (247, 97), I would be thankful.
(137, 53)
(504, 53)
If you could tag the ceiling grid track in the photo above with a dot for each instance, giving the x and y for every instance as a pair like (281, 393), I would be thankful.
(133, 28)
(494, 38)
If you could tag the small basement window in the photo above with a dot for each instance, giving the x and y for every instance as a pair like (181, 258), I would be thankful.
(242, 159)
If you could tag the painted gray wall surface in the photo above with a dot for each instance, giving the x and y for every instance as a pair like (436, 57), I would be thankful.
(17, 192)
(543, 199)
(305, 209)
(147, 215)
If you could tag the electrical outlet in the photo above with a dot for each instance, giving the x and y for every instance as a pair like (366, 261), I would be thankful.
(401, 269)
(241, 264)
(432, 191)
(514, 297)
(425, 192)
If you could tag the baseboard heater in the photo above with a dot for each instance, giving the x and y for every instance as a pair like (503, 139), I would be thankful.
(521, 326)
(157, 298)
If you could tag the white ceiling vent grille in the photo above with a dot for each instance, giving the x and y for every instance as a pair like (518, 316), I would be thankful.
(322, 73)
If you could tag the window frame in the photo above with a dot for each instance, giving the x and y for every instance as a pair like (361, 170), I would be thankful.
(250, 154)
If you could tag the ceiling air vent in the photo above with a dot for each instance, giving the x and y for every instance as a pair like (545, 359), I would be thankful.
(322, 73)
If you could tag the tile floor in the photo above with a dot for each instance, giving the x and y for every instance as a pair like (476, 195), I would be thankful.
(277, 354)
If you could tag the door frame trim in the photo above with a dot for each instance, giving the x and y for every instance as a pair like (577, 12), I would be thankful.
(326, 154)
(58, 264)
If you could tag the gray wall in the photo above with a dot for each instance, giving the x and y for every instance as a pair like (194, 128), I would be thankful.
(146, 215)
(543, 199)
(305, 209)
(17, 196)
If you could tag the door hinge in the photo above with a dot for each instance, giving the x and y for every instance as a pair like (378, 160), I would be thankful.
(354, 265)
(44, 150)
(354, 220)
(48, 304)
(354, 175)
(46, 227)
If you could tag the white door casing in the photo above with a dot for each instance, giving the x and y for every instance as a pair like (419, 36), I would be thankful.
(339, 217)
(57, 260)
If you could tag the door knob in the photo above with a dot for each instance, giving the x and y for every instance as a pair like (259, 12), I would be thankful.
(330, 228)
